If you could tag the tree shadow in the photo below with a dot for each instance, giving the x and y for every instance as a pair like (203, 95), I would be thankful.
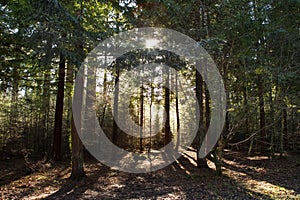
(11, 170)
(283, 172)
(180, 180)
(71, 189)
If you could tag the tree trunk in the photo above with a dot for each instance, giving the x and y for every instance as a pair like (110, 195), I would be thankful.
(77, 154)
(261, 115)
(177, 112)
(207, 108)
(246, 108)
(285, 127)
(141, 116)
(76, 144)
(271, 128)
(57, 135)
(104, 97)
(45, 110)
(14, 98)
(116, 107)
(201, 162)
(167, 108)
(283, 133)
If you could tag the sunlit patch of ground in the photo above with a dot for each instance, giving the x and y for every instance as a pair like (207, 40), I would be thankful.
(254, 177)
(277, 178)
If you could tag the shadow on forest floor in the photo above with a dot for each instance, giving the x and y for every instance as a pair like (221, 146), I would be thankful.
(281, 172)
(11, 170)
(181, 180)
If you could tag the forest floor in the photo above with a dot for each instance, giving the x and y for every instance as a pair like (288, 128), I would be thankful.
(244, 177)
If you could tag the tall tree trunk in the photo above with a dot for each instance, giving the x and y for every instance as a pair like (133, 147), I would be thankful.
(245, 95)
(272, 128)
(104, 97)
(207, 108)
(177, 112)
(57, 135)
(116, 107)
(14, 98)
(167, 108)
(77, 172)
(283, 133)
(69, 89)
(201, 162)
(141, 116)
(45, 110)
(151, 104)
(261, 115)
(285, 127)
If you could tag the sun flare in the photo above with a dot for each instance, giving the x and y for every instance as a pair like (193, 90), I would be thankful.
(150, 43)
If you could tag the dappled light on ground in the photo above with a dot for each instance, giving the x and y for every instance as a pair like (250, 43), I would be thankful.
(244, 178)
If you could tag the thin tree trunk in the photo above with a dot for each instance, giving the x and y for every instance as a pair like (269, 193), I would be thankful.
(151, 103)
(69, 89)
(246, 109)
(141, 116)
(104, 97)
(201, 162)
(285, 127)
(283, 133)
(14, 98)
(272, 128)
(167, 108)
(177, 112)
(45, 110)
(261, 115)
(116, 107)
(57, 135)
(207, 108)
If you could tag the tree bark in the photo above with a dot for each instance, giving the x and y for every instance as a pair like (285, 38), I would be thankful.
(45, 111)
(261, 114)
(177, 112)
(201, 162)
(116, 107)
(77, 172)
(57, 135)
(141, 116)
(104, 97)
(283, 134)
(77, 154)
(167, 108)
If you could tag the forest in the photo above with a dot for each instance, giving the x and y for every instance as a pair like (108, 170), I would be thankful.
(92, 107)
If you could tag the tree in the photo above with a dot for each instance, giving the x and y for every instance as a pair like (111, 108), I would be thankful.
(57, 134)
(116, 108)
(167, 128)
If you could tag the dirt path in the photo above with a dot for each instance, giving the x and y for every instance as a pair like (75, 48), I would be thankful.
(244, 177)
